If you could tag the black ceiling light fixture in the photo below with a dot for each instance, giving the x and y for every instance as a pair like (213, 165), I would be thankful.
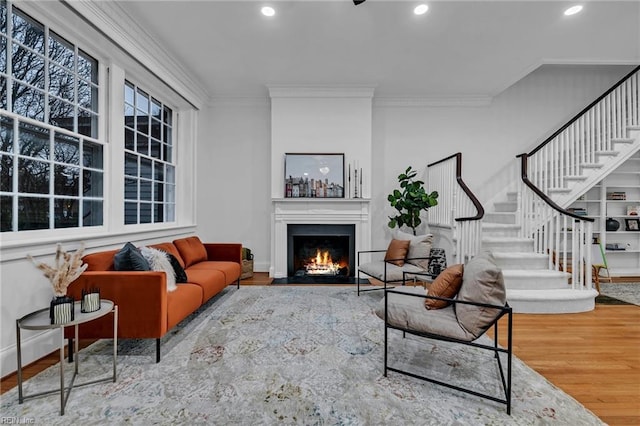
(357, 2)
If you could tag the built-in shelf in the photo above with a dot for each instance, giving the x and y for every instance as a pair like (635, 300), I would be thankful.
(625, 179)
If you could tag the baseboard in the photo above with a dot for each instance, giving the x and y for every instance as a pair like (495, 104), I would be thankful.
(33, 347)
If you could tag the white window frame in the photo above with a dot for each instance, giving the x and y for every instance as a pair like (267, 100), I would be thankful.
(167, 144)
(96, 93)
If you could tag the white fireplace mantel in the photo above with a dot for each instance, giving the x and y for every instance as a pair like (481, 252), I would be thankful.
(315, 211)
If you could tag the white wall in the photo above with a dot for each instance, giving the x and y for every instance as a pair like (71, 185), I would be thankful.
(233, 162)
(234, 156)
(332, 120)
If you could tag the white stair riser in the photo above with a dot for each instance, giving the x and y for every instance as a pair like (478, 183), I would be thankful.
(523, 246)
(505, 206)
(523, 282)
(500, 232)
(550, 306)
(506, 218)
(528, 263)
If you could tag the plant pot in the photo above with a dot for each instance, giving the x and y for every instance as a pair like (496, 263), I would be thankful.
(611, 224)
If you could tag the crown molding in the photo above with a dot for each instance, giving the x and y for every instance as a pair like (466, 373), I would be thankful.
(112, 20)
(239, 101)
(434, 101)
(294, 91)
(392, 102)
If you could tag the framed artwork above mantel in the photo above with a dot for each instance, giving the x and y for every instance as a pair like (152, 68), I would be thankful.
(314, 175)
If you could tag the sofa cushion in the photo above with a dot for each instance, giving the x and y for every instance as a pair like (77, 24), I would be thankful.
(231, 270)
(406, 311)
(171, 249)
(482, 282)
(183, 302)
(212, 282)
(129, 258)
(419, 248)
(447, 284)
(191, 250)
(397, 251)
(100, 261)
(159, 261)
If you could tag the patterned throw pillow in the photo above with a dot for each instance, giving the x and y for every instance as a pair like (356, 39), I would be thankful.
(437, 261)
(447, 284)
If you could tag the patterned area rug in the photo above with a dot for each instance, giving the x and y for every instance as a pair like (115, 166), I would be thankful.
(628, 292)
(291, 355)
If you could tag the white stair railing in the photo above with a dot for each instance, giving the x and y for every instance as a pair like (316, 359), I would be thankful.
(565, 237)
(458, 208)
(561, 158)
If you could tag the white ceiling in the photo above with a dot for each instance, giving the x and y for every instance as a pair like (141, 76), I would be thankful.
(457, 49)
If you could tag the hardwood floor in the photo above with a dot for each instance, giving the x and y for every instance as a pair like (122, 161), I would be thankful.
(593, 356)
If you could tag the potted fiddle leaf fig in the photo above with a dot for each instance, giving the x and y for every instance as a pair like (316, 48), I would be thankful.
(410, 201)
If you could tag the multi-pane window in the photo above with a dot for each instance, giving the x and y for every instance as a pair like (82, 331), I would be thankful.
(51, 164)
(48, 178)
(149, 168)
(44, 77)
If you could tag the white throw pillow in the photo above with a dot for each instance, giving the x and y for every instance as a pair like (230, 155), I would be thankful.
(420, 247)
(159, 261)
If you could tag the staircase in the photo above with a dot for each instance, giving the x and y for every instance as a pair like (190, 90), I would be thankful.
(532, 287)
(532, 223)
(555, 174)
(533, 284)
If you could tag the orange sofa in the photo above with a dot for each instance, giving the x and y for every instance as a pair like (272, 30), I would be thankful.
(145, 308)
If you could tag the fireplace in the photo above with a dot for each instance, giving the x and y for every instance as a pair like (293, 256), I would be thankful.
(314, 215)
(321, 250)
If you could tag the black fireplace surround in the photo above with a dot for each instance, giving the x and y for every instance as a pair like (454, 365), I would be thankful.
(304, 240)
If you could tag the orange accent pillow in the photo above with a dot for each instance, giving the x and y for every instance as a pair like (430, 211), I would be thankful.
(191, 250)
(447, 284)
(397, 251)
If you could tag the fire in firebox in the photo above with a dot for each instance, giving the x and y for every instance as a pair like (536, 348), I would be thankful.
(322, 264)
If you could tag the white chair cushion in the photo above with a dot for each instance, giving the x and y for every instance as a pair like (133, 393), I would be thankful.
(394, 272)
(409, 312)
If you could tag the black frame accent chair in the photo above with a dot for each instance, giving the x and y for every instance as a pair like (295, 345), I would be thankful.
(388, 272)
(478, 306)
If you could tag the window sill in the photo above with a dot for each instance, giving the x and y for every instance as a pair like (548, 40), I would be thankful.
(41, 245)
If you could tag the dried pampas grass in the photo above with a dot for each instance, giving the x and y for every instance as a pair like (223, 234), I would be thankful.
(67, 269)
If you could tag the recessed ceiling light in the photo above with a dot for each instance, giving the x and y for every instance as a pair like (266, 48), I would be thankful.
(268, 11)
(573, 10)
(421, 9)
